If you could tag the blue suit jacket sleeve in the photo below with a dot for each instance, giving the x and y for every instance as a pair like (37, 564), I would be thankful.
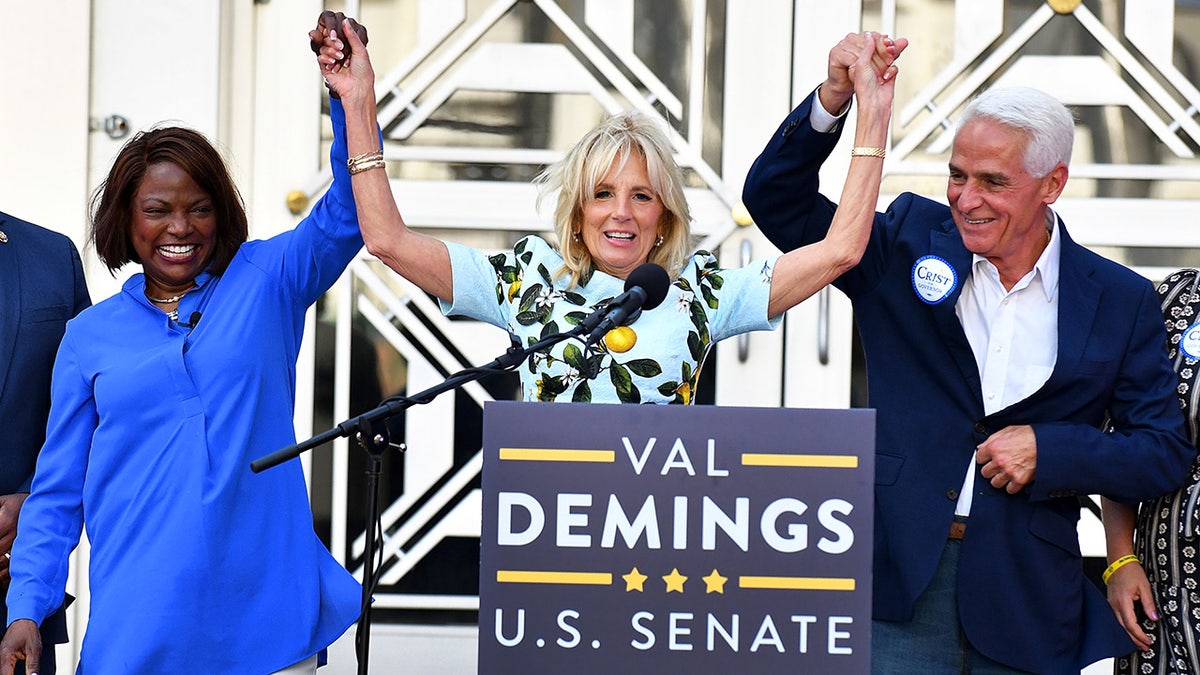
(782, 190)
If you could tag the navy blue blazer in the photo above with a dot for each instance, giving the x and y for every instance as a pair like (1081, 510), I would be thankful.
(1023, 599)
(41, 287)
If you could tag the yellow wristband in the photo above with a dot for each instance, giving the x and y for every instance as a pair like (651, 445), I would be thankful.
(1118, 564)
(867, 151)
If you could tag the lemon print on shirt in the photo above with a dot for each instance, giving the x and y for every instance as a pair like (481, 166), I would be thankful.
(620, 339)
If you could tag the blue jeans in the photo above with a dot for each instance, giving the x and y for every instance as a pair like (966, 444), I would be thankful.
(933, 642)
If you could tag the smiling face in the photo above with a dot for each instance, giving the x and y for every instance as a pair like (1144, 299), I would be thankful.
(173, 229)
(621, 220)
(998, 207)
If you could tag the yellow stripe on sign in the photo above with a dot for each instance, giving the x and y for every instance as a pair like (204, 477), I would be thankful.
(570, 578)
(550, 455)
(797, 583)
(805, 461)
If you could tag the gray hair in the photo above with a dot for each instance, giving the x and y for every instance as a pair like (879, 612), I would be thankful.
(1045, 122)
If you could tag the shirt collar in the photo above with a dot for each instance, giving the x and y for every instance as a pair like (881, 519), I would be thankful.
(1046, 267)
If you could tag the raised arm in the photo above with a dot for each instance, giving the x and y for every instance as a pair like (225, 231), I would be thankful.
(806, 270)
(421, 259)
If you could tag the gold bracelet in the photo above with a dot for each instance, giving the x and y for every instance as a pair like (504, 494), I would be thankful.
(367, 160)
(1118, 564)
(867, 151)
(360, 167)
(374, 154)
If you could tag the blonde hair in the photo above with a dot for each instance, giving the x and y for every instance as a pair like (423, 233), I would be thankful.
(606, 147)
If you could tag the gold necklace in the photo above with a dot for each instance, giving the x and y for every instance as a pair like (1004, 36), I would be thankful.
(167, 301)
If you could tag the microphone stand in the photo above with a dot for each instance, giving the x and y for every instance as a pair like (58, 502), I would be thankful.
(371, 431)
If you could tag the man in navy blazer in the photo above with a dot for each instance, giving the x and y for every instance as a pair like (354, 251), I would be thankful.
(996, 348)
(41, 287)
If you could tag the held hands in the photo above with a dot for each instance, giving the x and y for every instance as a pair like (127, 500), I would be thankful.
(1126, 588)
(1009, 458)
(340, 44)
(840, 83)
(21, 643)
(873, 88)
(331, 21)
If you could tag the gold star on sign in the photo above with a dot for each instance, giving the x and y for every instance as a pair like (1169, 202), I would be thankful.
(675, 581)
(634, 580)
(715, 583)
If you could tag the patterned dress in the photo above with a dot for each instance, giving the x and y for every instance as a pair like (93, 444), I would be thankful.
(657, 360)
(1168, 529)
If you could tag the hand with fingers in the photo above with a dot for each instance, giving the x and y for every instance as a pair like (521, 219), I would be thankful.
(839, 83)
(874, 88)
(1008, 458)
(1128, 591)
(22, 642)
(333, 52)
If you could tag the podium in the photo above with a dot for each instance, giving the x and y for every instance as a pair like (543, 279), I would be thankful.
(636, 539)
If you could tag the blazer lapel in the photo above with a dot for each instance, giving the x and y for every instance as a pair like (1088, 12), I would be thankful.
(1078, 302)
(947, 244)
(10, 293)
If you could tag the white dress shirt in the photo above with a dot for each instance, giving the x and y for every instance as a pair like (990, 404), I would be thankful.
(1013, 333)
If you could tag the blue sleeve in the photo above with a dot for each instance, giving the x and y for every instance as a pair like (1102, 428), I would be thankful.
(480, 291)
(782, 189)
(318, 250)
(739, 304)
(52, 516)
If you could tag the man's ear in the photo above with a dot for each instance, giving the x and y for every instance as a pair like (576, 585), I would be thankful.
(1054, 183)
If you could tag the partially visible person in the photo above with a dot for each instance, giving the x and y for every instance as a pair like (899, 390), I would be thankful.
(620, 204)
(41, 288)
(1153, 578)
(163, 394)
(995, 346)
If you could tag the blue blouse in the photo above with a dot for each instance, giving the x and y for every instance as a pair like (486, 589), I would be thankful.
(517, 291)
(198, 565)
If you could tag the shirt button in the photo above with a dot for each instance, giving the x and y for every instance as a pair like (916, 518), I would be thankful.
(952, 494)
(991, 397)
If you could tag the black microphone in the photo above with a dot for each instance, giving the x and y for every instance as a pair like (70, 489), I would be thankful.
(645, 288)
(193, 321)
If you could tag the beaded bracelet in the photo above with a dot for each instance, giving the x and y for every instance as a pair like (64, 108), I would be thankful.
(1116, 565)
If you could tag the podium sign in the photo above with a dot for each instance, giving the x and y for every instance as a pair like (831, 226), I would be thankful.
(640, 539)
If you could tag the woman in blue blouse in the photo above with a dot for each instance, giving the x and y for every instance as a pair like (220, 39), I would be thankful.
(162, 395)
(620, 204)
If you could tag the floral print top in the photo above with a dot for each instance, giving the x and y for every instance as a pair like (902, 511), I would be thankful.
(656, 359)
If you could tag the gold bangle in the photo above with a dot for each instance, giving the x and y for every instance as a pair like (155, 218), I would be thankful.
(1118, 564)
(360, 167)
(374, 154)
(867, 151)
(367, 160)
